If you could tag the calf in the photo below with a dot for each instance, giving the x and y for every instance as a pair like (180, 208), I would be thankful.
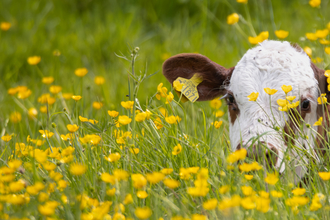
(271, 64)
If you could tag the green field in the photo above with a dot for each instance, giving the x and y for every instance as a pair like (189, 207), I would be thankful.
(117, 162)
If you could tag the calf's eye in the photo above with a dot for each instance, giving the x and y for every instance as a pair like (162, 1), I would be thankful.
(230, 99)
(305, 105)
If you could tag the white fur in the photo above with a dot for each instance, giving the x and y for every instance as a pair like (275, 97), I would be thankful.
(272, 64)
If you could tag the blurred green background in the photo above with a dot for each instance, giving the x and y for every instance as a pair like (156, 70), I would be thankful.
(90, 34)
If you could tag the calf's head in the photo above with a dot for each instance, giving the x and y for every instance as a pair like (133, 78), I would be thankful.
(269, 65)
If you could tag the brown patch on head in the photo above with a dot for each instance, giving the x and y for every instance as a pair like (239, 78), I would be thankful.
(233, 112)
(297, 47)
(232, 107)
(186, 65)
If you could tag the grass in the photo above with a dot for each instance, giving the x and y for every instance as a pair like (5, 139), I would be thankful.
(42, 178)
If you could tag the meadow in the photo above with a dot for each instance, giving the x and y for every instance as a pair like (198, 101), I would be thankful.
(91, 129)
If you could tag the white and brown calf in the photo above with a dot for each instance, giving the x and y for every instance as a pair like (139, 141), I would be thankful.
(271, 64)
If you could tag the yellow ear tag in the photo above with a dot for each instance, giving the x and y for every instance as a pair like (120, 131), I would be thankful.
(188, 87)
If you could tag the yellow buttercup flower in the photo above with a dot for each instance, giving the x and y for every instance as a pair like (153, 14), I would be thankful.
(140, 117)
(248, 177)
(322, 99)
(290, 98)
(248, 203)
(276, 194)
(128, 199)
(139, 181)
(155, 177)
(253, 96)
(219, 114)
(271, 179)
(32, 113)
(210, 204)
(76, 97)
(113, 113)
(177, 149)
(171, 119)
(172, 184)
(232, 19)
(24, 94)
(77, 169)
(308, 51)
(324, 175)
(242, 1)
(72, 128)
(111, 192)
(177, 85)
(46, 133)
(281, 34)
(107, 178)
(142, 194)
(224, 189)
(322, 33)
(134, 150)
(124, 119)
(311, 36)
(215, 103)
(237, 155)
(97, 105)
(46, 210)
(296, 201)
(286, 89)
(217, 124)
(143, 213)
(46, 98)
(15, 117)
(327, 73)
(327, 50)
(166, 171)
(318, 122)
(198, 217)
(34, 60)
(48, 80)
(6, 138)
(99, 80)
(55, 89)
(324, 41)
(169, 98)
(293, 105)
(270, 91)
(314, 3)
(81, 72)
(317, 60)
(298, 191)
(113, 157)
(247, 190)
(245, 167)
(5, 26)
(127, 104)
(263, 194)
(260, 38)
(226, 203)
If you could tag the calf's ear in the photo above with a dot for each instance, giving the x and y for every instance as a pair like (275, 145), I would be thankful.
(187, 64)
